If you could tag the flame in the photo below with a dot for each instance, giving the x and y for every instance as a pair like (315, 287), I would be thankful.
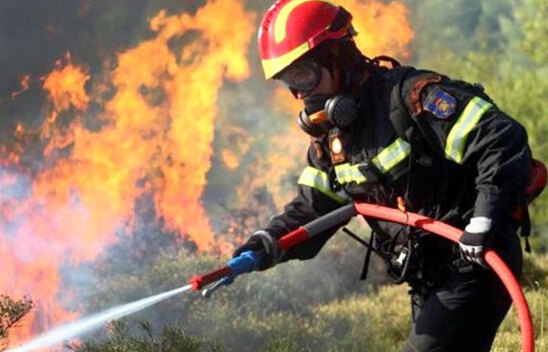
(24, 82)
(383, 28)
(230, 159)
(19, 130)
(65, 85)
(239, 141)
(155, 137)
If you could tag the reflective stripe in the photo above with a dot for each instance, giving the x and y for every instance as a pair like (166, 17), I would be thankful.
(392, 155)
(384, 161)
(454, 149)
(319, 180)
(273, 66)
(347, 173)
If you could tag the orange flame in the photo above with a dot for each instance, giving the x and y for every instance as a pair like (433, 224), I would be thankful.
(24, 82)
(65, 86)
(156, 137)
(230, 159)
(383, 28)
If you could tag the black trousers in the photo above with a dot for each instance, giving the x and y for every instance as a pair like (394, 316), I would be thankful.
(464, 313)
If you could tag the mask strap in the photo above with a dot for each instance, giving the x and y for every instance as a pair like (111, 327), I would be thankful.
(336, 74)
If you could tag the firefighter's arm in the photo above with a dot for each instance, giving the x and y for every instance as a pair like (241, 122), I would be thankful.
(471, 131)
(314, 199)
(497, 148)
(468, 129)
(497, 151)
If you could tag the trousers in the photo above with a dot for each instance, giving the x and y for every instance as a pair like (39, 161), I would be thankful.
(465, 311)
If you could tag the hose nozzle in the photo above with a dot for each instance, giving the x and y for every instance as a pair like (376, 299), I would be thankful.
(225, 281)
(246, 262)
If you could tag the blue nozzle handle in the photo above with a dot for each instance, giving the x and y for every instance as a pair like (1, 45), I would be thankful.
(246, 262)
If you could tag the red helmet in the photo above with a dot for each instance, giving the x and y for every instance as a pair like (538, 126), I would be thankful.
(291, 28)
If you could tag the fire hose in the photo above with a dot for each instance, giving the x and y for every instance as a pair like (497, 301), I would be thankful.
(248, 261)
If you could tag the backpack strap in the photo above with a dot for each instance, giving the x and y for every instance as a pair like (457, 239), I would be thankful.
(399, 116)
(406, 85)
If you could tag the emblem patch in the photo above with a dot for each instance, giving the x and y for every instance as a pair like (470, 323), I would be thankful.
(440, 103)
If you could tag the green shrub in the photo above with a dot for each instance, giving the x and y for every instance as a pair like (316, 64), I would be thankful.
(170, 339)
(249, 316)
(11, 313)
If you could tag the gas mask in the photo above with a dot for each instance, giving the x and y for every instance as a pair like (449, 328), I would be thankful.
(321, 112)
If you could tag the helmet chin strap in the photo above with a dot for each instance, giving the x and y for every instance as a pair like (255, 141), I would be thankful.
(335, 69)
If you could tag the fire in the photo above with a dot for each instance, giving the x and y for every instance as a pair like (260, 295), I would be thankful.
(65, 85)
(24, 82)
(238, 140)
(230, 159)
(19, 130)
(155, 137)
(383, 28)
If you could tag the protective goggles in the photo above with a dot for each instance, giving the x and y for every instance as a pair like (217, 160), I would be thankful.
(302, 76)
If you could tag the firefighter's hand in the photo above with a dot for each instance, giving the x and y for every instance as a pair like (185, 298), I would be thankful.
(474, 238)
(261, 241)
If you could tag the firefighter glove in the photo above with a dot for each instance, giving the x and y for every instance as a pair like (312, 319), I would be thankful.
(473, 240)
(261, 241)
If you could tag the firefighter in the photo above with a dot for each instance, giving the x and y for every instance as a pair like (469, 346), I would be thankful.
(386, 134)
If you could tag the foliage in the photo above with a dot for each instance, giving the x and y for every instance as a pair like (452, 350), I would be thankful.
(230, 315)
(535, 271)
(245, 219)
(372, 321)
(508, 338)
(170, 339)
(11, 312)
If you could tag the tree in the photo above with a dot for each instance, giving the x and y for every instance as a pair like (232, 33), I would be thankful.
(11, 312)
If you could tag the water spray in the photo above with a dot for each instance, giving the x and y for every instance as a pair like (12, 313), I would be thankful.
(77, 328)
(249, 261)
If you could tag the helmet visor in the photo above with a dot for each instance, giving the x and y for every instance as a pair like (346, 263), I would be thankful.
(302, 76)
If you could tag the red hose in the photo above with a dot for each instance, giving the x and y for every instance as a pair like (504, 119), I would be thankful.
(453, 234)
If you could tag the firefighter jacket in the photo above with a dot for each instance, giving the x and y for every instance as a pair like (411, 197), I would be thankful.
(440, 144)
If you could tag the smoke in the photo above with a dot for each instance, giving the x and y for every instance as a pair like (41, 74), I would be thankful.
(13, 187)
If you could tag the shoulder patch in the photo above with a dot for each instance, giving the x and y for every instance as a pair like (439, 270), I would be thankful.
(440, 103)
(418, 84)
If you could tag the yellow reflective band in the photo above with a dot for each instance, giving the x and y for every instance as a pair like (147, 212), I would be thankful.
(319, 180)
(273, 66)
(281, 20)
(454, 149)
(392, 155)
(347, 173)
